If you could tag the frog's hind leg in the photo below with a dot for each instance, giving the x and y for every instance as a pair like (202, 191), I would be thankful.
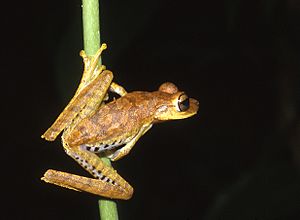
(108, 182)
(85, 184)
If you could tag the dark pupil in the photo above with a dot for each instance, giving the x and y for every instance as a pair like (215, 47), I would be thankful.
(184, 105)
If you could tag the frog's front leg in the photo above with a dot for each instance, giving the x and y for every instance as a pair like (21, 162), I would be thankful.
(114, 87)
(126, 149)
(108, 182)
(90, 91)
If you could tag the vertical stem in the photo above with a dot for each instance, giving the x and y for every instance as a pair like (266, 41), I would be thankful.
(108, 208)
(91, 26)
(91, 37)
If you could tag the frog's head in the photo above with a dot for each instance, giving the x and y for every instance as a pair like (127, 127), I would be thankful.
(174, 104)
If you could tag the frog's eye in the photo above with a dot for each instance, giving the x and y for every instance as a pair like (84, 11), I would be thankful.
(183, 103)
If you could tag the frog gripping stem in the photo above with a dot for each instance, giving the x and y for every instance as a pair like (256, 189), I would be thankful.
(91, 122)
(91, 90)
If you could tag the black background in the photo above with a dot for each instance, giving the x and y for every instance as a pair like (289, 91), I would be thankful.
(236, 159)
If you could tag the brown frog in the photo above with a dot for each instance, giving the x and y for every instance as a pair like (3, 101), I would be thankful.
(91, 125)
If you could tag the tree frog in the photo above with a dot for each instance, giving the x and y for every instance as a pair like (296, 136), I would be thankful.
(92, 125)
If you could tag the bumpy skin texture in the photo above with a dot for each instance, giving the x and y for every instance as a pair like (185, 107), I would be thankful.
(87, 98)
(93, 186)
(121, 118)
(92, 126)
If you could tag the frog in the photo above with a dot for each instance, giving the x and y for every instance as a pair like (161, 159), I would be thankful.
(92, 125)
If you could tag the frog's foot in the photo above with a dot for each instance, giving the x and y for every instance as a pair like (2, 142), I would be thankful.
(90, 62)
(91, 66)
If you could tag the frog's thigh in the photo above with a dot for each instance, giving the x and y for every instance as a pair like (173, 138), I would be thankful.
(126, 149)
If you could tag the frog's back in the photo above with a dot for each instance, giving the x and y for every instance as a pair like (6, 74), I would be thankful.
(118, 120)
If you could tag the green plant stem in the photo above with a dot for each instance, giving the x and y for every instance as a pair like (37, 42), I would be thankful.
(108, 208)
(91, 37)
(91, 26)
